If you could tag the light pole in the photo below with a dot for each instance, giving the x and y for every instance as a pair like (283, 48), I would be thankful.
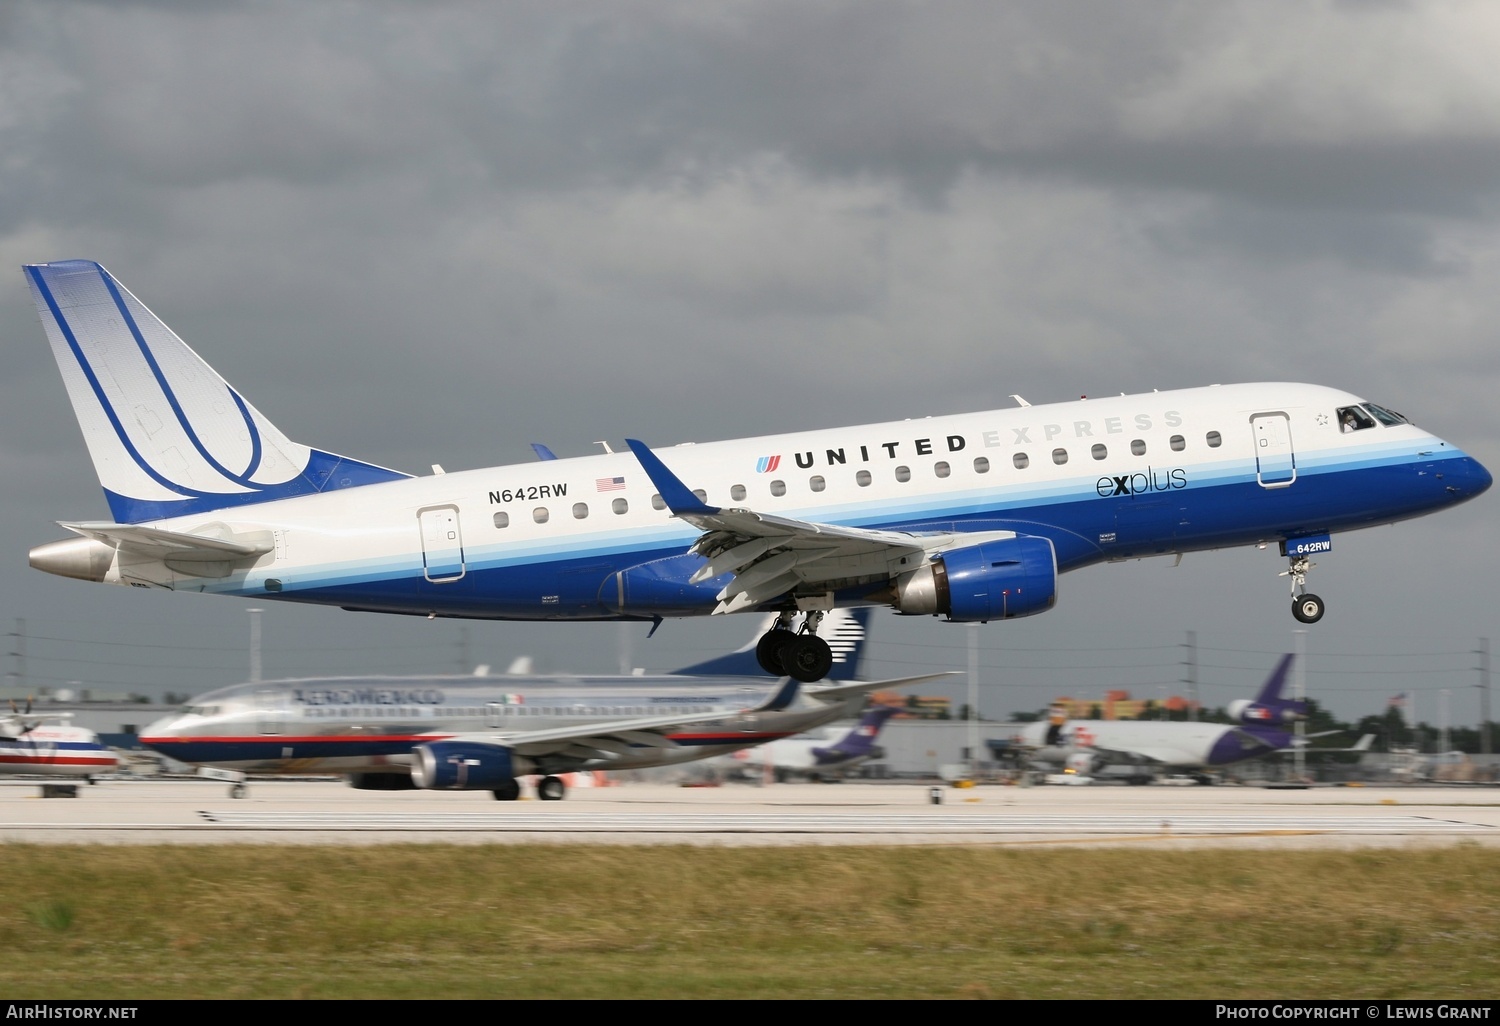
(254, 644)
(973, 701)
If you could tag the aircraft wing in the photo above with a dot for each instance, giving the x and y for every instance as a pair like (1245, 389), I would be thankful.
(588, 741)
(768, 555)
(844, 692)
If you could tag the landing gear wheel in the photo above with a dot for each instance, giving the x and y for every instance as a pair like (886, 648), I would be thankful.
(551, 789)
(768, 651)
(1307, 608)
(508, 792)
(807, 658)
(238, 791)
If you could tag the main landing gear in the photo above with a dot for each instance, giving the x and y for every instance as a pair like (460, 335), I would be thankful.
(1306, 607)
(799, 654)
(548, 789)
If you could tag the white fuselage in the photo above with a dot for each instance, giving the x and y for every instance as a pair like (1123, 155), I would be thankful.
(1102, 479)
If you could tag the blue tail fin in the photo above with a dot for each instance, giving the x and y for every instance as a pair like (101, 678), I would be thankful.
(845, 630)
(168, 436)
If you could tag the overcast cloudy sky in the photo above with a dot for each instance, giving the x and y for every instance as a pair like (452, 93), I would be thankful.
(434, 232)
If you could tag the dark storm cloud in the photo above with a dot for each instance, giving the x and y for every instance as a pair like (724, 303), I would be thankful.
(433, 232)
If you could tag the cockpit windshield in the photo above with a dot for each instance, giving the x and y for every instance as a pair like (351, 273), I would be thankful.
(1385, 416)
(1367, 415)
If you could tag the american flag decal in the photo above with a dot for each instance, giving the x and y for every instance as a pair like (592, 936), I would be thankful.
(610, 484)
(766, 464)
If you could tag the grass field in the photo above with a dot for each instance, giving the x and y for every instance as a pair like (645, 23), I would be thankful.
(577, 921)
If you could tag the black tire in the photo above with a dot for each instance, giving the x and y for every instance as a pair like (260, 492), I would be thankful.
(808, 658)
(551, 789)
(1307, 608)
(509, 791)
(769, 649)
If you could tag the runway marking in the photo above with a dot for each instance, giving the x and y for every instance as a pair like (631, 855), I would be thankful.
(517, 820)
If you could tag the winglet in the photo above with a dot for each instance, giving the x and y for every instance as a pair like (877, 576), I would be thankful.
(542, 452)
(678, 496)
(784, 696)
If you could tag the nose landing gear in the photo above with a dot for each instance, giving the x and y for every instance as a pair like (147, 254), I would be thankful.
(1306, 607)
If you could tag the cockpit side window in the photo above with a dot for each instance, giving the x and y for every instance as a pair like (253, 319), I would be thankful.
(1387, 417)
(1352, 418)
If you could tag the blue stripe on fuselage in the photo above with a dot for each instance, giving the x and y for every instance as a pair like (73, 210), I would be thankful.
(1378, 489)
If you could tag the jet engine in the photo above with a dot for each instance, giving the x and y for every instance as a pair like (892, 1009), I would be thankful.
(996, 580)
(1243, 710)
(462, 766)
(382, 782)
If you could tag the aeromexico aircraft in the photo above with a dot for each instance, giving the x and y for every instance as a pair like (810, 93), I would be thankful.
(482, 733)
(970, 517)
(1138, 749)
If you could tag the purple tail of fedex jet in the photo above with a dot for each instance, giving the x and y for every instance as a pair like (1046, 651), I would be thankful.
(1269, 708)
(859, 744)
(815, 758)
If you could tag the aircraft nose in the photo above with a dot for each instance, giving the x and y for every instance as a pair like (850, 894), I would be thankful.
(164, 727)
(1469, 479)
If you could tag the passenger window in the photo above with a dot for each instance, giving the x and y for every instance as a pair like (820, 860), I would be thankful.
(702, 495)
(737, 493)
(1352, 418)
(981, 465)
(1178, 443)
(620, 506)
(778, 487)
(816, 483)
(540, 514)
(1021, 460)
(580, 510)
(1138, 447)
(941, 469)
(1214, 439)
(1098, 451)
(657, 502)
(903, 473)
(1059, 456)
(502, 519)
(862, 479)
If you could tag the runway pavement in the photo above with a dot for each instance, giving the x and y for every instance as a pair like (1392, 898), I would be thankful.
(328, 812)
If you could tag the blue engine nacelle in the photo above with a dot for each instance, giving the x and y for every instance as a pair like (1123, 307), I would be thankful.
(461, 766)
(995, 580)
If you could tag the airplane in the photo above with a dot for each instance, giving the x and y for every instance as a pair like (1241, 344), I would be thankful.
(483, 733)
(814, 757)
(1140, 749)
(43, 744)
(967, 517)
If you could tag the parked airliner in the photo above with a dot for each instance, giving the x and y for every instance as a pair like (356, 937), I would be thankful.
(43, 744)
(1139, 749)
(970, 517)
(817, 758)
(482, 733)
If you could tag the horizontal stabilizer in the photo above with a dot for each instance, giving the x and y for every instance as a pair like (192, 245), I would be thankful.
(162, 544)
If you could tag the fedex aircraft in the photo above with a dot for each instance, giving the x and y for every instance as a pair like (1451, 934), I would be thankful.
(43, 744)
(971, 517)
(483, 733)
(819, 757)
(1263, 727)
